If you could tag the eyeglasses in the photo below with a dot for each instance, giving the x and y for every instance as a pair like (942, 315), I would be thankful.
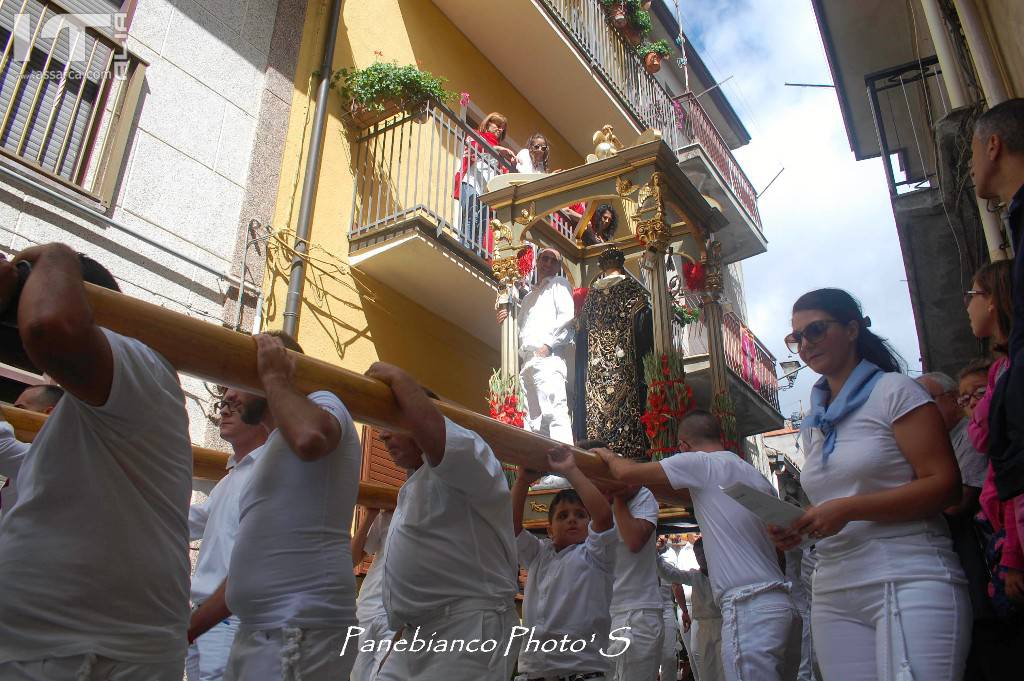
(967, 399)
(812, 333)
(970, 294)
(541, 147)
(225, 406)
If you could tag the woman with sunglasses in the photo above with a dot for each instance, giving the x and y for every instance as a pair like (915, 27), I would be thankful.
(533, 158)
(989, 308)
(889, 595)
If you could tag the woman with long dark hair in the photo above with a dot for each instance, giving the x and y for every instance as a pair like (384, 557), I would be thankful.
(889, 596)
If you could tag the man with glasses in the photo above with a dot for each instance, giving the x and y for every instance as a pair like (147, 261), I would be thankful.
(545, 327)
(215, 521)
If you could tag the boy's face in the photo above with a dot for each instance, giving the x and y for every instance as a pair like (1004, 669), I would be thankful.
(568, 524)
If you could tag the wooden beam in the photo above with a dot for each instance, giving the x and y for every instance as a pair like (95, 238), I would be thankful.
(207, 464)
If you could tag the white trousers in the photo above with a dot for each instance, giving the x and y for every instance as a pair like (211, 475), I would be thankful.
(807, 659)
(88, 668)
(208, 656)
(706, 645)
(670, 647)
(547, 408)
(289, 654)
(456, 623)
(368, 662)
(760, 634)
(645, 630)
(897, 631)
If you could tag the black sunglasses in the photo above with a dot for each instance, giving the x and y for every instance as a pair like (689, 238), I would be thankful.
(812, 333)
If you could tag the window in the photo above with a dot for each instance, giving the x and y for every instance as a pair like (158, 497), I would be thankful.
(68, 92)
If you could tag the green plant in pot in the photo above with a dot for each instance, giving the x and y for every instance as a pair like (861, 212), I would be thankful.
(383, 89)
(653, 53)
(639, 23)
(617, 11)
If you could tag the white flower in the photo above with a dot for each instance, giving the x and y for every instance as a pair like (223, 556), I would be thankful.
(620, 353)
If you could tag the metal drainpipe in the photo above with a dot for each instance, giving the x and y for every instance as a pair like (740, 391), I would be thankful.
(310, 178)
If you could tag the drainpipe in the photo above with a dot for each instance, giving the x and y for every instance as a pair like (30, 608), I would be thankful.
(311, 178)
(981, 52)
(990, 224)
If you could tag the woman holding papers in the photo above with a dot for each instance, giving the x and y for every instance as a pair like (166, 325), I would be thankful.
(889, 597)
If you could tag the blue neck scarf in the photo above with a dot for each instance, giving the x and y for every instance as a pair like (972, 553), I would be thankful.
(854, 394)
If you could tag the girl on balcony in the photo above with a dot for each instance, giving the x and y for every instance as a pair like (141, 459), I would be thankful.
(889, 598)
(533, 158)
(479, 165)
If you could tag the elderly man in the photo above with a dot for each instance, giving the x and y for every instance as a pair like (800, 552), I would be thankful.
(215, 521)
(93, 556)
(545, 318)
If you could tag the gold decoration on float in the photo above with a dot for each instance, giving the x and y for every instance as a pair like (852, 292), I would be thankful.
(624, 187)
(527, 217)
(538, 508)
(506, 270)
(501, 231)
(712, 260)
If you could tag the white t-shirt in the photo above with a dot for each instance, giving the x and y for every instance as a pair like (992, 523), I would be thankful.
(451, 535)
(568, 593)
(867, 459)
(215, 521)
(524, 164)
(370, 602)
(736, 543)
(973, 464)
(94, 555)
(545, 315)
(292, 563)
(12, 454)
(703, 599)
(636, 576)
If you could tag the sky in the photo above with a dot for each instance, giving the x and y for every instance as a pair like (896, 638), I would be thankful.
(827, 218)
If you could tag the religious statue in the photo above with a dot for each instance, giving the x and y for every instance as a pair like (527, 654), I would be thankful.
(614, 334)
(606, 144)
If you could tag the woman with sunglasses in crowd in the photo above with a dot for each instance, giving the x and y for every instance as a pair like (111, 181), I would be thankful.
(533, 158)
(989, 308)
(889, 595)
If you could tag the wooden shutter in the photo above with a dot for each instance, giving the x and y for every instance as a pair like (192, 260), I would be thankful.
(377, 468)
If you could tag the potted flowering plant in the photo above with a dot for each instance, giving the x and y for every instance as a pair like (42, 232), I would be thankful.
(616, 10)
(384, 89)
(638, 24)
(505, 397)
(653, 53)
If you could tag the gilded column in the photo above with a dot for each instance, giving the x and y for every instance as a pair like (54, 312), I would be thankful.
(713, 318)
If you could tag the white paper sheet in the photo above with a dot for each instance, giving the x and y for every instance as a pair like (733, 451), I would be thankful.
(767, 507)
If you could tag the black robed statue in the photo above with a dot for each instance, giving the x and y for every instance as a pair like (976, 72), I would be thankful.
(614, 333)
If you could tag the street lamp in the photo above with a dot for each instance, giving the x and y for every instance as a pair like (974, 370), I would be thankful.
(789, 370)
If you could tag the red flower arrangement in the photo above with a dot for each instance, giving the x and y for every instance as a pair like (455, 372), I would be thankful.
(694, 276)
(525, 261)
(668, 400)
(504, 397)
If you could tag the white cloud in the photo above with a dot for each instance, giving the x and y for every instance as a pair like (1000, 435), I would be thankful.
(827, 218)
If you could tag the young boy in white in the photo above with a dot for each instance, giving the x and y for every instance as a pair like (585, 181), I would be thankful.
(449, 565)
(290, 579)
(760, 624)
(94, 554)
(636, 601)
(570, 575)
(370, 612)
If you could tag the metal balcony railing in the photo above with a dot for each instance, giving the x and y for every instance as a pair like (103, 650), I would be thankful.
(745, 355)
(426, 164)
(699, 128)
(681, 120)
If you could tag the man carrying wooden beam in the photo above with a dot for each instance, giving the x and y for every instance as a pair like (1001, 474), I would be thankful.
(450, 563)
(93, 557)
(290, 578)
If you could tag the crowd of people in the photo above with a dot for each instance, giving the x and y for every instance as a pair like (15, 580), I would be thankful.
(915, 516)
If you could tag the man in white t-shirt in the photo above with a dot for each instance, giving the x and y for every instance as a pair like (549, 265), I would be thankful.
(94, 554)
(450, 562)
(370, 539)
(545, 330)
(669, 663)
(215, 521)
(41, 399)
(290, 578)
(706, 625)
(636, 607)
(760, 624)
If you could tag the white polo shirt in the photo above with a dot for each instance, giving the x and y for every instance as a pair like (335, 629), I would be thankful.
(292, 562)
(370, 602)
(451, 535)
(636, 576)
(215, 521)
(94, 555)
(545, 314)
(739, 552)
(568, 593)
